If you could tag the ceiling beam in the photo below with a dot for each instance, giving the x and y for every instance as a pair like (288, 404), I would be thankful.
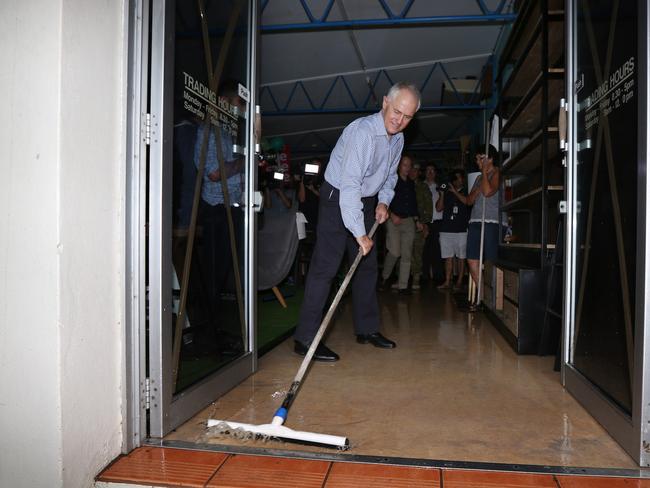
(486, 16)
(464, 20)
(354, 110)
(393, 67)
(267, 93)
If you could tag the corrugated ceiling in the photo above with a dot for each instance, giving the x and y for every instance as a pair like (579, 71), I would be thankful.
(316, 70)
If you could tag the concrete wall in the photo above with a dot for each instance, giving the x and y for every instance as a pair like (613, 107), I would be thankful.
(61, 239)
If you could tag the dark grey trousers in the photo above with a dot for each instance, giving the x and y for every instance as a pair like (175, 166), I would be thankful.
(333, 239)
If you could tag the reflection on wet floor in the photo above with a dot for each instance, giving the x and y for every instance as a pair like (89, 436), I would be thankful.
(453, 389)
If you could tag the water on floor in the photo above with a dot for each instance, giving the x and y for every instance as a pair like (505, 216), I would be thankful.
(453, 389)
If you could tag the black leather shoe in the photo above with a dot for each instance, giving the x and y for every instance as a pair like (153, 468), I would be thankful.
(376, 340)
(322, 353)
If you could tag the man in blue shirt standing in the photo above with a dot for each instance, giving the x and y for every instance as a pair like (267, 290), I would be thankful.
(362, 166)
(217, 263)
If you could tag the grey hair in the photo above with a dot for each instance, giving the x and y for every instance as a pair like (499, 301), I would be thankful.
(404, 85)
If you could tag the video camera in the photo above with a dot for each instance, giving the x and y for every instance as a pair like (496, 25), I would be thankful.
(273, 171)
(311, 173)
(443, 182)
(274, 179)
(447, 179)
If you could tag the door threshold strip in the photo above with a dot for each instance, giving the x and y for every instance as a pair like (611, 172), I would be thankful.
(411, 462)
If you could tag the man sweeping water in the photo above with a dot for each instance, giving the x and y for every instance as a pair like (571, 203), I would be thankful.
(358, 188)
(363, 164)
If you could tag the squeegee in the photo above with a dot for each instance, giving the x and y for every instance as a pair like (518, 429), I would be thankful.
(276, 429)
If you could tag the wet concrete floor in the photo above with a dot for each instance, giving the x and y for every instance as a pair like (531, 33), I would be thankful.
(453, 389)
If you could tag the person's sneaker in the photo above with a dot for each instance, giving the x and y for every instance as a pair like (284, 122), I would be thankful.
(404, 291)
(395, 286)
(376, 340)
(322, 353)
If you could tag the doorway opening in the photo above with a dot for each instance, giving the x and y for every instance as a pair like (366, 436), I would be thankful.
(220, 342)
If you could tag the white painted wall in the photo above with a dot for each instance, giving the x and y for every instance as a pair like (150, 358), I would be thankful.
(92, 159)
(30, 377)
(61, 239)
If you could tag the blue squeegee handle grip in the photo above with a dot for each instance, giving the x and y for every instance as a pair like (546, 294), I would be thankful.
(293, 391)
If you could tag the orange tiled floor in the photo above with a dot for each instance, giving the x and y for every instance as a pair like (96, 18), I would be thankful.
(179, 467)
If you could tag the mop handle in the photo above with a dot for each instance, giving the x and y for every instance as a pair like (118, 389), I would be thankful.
(488, 127)
(480, 261)
(288, 399)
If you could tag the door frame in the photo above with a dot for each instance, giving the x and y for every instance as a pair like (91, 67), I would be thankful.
(166, 409)
(631, 432)
(137, 86)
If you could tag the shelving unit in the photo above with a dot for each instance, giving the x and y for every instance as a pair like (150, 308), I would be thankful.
(513, 296)
(531, 81)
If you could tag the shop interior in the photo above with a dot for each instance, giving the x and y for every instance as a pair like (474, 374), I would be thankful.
(481, 386)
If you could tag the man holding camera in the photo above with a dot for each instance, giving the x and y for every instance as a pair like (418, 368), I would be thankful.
(362, 166)
(308, 193)
(453, 227)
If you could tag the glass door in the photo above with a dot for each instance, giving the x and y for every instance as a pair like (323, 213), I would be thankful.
(201, 220)
(605, 308)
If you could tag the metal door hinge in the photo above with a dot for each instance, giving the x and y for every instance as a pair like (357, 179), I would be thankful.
(258, 201)
(563, 207)
(147, 394)
(237, 149)
(586, 144)
(147, 129)
(562, 125)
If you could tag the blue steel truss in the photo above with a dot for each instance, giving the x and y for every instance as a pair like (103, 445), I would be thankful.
(501, 15)
(392, 18)
(304, 144)
(361, 106)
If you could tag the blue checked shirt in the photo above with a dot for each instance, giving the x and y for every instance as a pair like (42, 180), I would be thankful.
(364, 163)
(211, 191)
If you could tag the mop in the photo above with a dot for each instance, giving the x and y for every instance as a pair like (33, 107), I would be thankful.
(479, 290)
(276, 429)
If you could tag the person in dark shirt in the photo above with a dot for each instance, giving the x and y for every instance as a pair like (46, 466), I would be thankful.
(453, 228)
(401, 227)
(308, 195)
(425, 207)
